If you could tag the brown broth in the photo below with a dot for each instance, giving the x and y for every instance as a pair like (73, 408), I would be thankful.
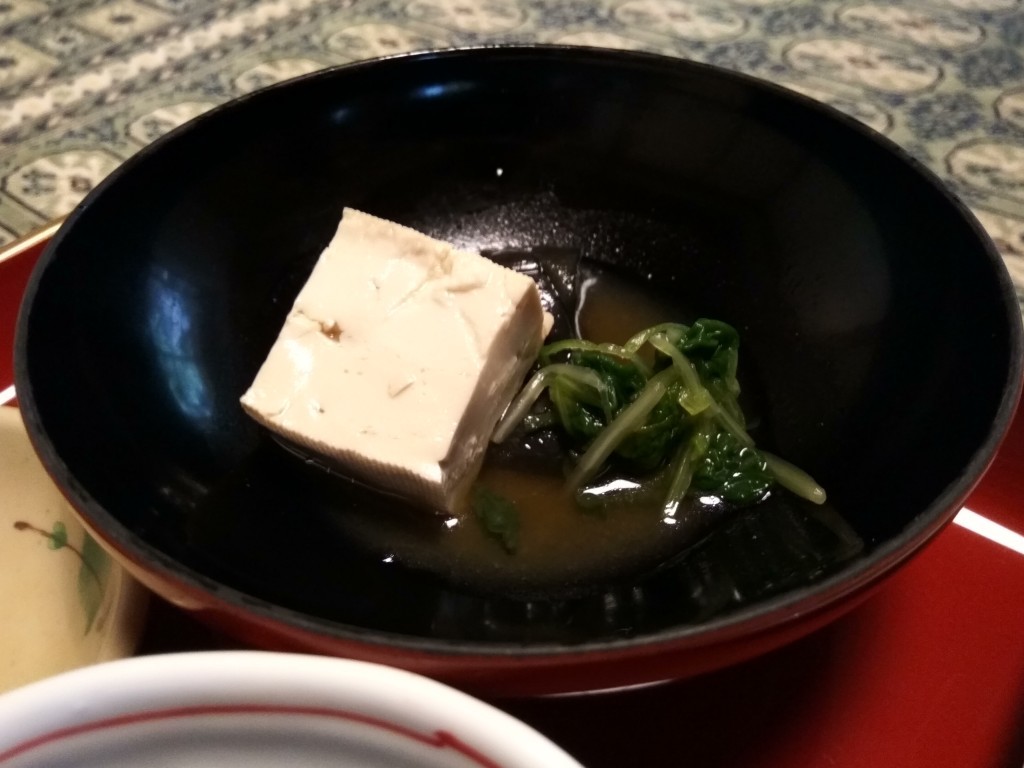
(560, 545)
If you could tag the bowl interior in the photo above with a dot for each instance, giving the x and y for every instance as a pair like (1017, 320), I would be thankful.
(876, 326)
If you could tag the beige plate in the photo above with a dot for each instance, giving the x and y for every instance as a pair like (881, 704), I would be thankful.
(63, 602)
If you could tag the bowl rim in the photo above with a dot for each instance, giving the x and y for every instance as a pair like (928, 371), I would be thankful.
(763, 616)
(114, 695)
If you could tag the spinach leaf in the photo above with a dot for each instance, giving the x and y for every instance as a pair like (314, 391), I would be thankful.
(713, 348)
(581, 423)
(732, 471)
(649, 446)
(579, 410)
(498, 515)
(681, 415)
(624, 378)
(715, 342)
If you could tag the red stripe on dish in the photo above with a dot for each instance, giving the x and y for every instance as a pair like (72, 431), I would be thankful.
(440, 739)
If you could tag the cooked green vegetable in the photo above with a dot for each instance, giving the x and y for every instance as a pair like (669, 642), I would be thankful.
(690, 454)
(665, 405)
(794, 478)
(628, 422)
(734, 472)
(498, 515)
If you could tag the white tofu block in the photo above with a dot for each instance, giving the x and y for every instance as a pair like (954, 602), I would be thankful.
(397, 359)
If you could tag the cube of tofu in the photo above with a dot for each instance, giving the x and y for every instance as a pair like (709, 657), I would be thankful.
(397, 359)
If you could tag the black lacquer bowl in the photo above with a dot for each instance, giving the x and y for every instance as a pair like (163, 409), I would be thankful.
(879, 321)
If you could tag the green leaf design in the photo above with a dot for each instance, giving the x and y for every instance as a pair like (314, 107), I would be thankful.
(58, 537)
(92, 579)
(93, 572)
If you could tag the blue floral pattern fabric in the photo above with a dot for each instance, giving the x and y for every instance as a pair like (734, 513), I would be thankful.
(86, 83)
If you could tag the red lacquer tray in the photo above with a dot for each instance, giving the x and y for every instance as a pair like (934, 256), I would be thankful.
(928, 672)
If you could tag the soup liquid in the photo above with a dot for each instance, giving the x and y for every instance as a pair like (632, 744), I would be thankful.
(560, 547)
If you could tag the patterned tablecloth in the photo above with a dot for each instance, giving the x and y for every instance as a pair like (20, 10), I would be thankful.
(86, 83)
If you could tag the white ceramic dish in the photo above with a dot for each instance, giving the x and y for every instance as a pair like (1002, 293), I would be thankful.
(259, 709)
(64, 602)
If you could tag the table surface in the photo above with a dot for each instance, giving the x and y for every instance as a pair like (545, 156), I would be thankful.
(928, 672)
(84, 84)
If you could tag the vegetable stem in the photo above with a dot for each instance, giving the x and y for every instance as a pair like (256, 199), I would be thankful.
(696, 398)
(542, 379)
(682, 422)
(629, 419)
(731, 424)
(579, 345)
(794, 479)
(674, 332)
(681, 473)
